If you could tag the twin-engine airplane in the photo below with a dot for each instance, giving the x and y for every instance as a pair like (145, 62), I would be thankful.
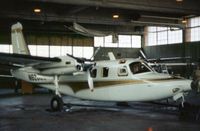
(109, 80)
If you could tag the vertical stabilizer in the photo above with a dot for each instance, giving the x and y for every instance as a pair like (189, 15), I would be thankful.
(18, 43)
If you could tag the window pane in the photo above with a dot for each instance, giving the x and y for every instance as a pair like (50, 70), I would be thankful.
(11, 48)
(175, 36)
(195, 34)
(43, 50)
(4, 48)
(55, 51)
(33, 49)
(78, 51)
(98, 41)
(136, 41)
(108, 39)
(195, 29)
(151, 29)
(108, 42)
(66, 50)
(125, 41)
(162, 38)
(161, 29)
(88, 52)
(105, 71)
(163, 35)
(151, 39)
(195, 21)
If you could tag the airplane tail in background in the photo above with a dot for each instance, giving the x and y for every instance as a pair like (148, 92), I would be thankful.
(18, 43)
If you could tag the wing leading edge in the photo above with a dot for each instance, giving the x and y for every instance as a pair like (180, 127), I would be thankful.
(20, 60)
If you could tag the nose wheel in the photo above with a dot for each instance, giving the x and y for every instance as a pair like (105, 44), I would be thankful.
(56, 103)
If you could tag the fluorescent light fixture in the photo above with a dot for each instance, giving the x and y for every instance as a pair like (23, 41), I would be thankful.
(37, 10)
(179, 0)
(184, 21)
(115, 16)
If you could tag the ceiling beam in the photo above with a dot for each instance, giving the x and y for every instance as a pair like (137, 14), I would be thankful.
(168, 6)
(84, 20)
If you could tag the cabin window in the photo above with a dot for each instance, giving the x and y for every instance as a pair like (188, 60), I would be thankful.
(93, 73)
(67, 62)
(138, 67)
(122, 71)
(105, 71)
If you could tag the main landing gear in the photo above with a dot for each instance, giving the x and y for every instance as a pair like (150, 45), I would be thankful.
(189, 112)
(56, 102)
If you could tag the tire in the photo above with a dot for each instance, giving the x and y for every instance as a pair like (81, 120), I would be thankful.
(56, 103)
(185, 112)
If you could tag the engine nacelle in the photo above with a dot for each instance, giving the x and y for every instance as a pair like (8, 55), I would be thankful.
(31, 75)
(59, 71)
(79, 67)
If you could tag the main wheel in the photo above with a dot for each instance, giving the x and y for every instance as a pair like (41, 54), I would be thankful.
(56, 103)
(185, 111)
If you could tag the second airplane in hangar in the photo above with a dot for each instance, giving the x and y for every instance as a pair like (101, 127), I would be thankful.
(108, 80)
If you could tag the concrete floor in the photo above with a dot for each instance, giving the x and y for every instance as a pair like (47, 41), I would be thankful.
(30, 112)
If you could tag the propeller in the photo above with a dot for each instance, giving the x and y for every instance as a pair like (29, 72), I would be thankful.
(90, 81)
(80, 59)
(86, 68)
(143, 55)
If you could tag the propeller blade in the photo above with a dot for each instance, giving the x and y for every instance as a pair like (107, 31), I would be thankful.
(143, 54)
(90, 81)
(80, 59)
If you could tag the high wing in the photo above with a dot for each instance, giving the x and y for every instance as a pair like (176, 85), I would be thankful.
(21, 60)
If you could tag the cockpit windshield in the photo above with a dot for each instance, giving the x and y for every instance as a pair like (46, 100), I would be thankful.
(139, 67)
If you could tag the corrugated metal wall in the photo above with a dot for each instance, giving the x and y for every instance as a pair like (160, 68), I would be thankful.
(174, 50)
(118, 52)
(50, 39)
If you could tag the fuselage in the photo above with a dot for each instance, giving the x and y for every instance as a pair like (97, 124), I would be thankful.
(116, 80)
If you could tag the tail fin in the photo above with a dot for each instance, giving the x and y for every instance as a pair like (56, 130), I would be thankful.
(18, 43)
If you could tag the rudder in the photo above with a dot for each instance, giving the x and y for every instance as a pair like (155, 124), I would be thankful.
(17, 38)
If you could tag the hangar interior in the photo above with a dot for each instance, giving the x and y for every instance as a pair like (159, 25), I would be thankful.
(162, 29)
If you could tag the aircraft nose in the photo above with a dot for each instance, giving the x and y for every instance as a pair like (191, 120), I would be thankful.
(184, 85)
(195, 85)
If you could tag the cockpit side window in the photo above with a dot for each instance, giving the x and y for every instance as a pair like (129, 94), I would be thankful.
(138, 67)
